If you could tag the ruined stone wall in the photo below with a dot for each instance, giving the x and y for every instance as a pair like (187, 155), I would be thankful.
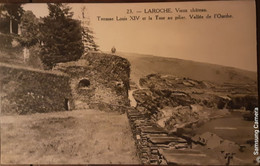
(25, 90)
(98, 80)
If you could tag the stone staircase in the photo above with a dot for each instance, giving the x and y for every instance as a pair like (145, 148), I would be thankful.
(150, 138)
(156, 147)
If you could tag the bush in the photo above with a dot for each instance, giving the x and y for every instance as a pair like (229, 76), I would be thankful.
(6, 41)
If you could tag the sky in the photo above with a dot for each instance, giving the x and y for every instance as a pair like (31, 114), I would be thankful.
(227, 41)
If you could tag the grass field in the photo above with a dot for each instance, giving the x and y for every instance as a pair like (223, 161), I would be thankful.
(75, 137)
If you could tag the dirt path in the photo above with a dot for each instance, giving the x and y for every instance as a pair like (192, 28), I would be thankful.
(133, 102)
(75, 137)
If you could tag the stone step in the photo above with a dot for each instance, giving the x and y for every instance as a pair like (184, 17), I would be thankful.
(139, 116)
(157, 135)
(143, 124)
(134, 113)
(136, 117)
(181, 146)
(166, 140)
(186, 157)
(172, 150)
(154, 130)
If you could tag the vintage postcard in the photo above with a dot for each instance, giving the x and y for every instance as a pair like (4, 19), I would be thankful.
(159, 83)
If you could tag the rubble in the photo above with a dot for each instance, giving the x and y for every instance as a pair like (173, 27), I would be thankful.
(195, 157)
(149, 137)
(176, 103)
(168, 109)
(156, 147)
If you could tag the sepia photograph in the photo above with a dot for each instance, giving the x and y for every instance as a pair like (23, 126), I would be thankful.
(151, 83)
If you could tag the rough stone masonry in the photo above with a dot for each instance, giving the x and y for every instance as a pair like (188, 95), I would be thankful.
(97, 80)
(25, 90)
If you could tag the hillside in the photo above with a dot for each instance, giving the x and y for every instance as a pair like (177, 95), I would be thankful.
(142, 65)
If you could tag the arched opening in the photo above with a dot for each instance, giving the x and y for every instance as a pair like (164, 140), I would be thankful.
(66, 104)
(84, 83)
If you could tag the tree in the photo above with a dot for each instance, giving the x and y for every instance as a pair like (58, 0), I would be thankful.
(29, 39)
(87, 33)
(29, 30)
(88, 40)
(11, 14)
(60, 36)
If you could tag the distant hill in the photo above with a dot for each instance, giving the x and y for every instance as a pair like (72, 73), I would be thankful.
(142, 65)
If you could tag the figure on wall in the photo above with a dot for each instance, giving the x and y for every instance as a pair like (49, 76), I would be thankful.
(113, 50)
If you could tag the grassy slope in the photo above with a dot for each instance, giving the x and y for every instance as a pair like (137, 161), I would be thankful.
(142, 65)
(74, 137)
